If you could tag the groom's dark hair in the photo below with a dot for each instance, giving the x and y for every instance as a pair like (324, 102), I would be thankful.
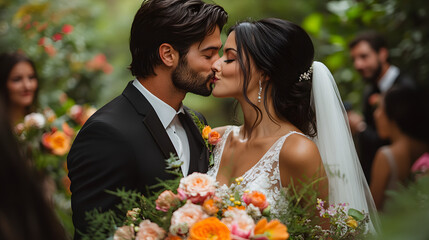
(180, 23)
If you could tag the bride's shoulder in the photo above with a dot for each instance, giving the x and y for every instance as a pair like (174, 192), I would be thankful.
(221, 130)
(299, 151)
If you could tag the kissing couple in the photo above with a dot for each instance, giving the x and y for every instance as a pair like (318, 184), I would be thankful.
(295, 127)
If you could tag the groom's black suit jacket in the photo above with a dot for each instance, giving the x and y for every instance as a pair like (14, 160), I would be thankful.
(124, 144)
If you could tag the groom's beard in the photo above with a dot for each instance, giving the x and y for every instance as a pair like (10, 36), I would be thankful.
(189, 80)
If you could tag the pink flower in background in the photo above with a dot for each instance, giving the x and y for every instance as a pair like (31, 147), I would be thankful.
(196, 187)
(422, 164)
(50, 50)
(99, 63)
(42, 27)
(150, 230)
(57, 37)
(41, 41)
(166, 200)
(67, 29)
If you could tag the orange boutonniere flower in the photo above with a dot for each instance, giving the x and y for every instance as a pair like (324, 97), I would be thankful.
(206, 131)
(209, 228)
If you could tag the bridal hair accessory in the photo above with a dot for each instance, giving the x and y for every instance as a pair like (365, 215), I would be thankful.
(260, 91)
(306, 75)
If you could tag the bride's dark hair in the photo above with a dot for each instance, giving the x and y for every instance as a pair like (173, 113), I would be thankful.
(283, 51)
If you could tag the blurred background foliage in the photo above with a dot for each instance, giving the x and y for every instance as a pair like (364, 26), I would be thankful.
(81, 47)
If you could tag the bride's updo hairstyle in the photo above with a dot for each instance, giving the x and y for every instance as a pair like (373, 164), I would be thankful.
(283, 51)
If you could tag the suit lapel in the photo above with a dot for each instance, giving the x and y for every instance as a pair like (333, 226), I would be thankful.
(198, 150)
(151, 120)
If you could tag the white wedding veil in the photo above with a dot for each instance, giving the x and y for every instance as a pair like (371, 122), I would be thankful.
(347, 183)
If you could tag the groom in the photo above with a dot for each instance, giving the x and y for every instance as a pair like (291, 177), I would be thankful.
(173, 44)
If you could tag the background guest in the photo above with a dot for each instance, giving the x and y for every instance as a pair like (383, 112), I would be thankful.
(402, 117)
(18, 85)
(24, 211)
(370, 58)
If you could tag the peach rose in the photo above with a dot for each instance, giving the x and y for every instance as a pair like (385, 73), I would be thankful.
(196, 187)
(150, 230)
(256, 198)
(239, 223)
(185, 217)
(166, 200)
(214, 137)
(124, 233)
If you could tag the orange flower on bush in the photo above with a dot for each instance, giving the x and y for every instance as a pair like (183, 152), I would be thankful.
(209, 228)
(213, 137)
(206, 131)
(58, 142)
(273, 230)
(256, 198)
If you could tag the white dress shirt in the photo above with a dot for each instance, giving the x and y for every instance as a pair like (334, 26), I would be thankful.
(388, 79)
(170, 120)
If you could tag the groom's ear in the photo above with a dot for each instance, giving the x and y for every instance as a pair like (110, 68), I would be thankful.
(169, 56)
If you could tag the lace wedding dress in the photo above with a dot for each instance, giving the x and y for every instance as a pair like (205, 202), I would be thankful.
(264, 176)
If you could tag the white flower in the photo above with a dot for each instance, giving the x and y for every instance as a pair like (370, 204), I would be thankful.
(34, 120)
(253, 211)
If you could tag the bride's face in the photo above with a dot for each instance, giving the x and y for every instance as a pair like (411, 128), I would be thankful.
(228, 80)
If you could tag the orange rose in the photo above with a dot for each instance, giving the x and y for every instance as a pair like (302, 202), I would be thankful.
(213, 137)
(273, 230)
(206, 131)
(58, 142)
(256, 198)
(209, 228)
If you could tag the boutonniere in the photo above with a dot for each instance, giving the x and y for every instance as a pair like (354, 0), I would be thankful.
(210, 137)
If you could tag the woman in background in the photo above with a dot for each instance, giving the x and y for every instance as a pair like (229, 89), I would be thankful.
(24, 211)
(402, 117)
(18, 85)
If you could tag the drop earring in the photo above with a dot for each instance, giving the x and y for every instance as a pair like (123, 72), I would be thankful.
(260, 92)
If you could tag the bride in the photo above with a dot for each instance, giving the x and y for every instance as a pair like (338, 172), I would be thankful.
(294, 128)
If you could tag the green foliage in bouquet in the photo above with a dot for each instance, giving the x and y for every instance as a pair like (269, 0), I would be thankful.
(304, 216)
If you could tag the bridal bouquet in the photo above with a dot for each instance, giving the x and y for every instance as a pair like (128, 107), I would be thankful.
(199, 209)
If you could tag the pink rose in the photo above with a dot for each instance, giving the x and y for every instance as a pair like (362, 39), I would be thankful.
(166, 200)
(196, 187)
(124, 233)
(186, 216)
(239, 223)
(214, 137)
(150, 230)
